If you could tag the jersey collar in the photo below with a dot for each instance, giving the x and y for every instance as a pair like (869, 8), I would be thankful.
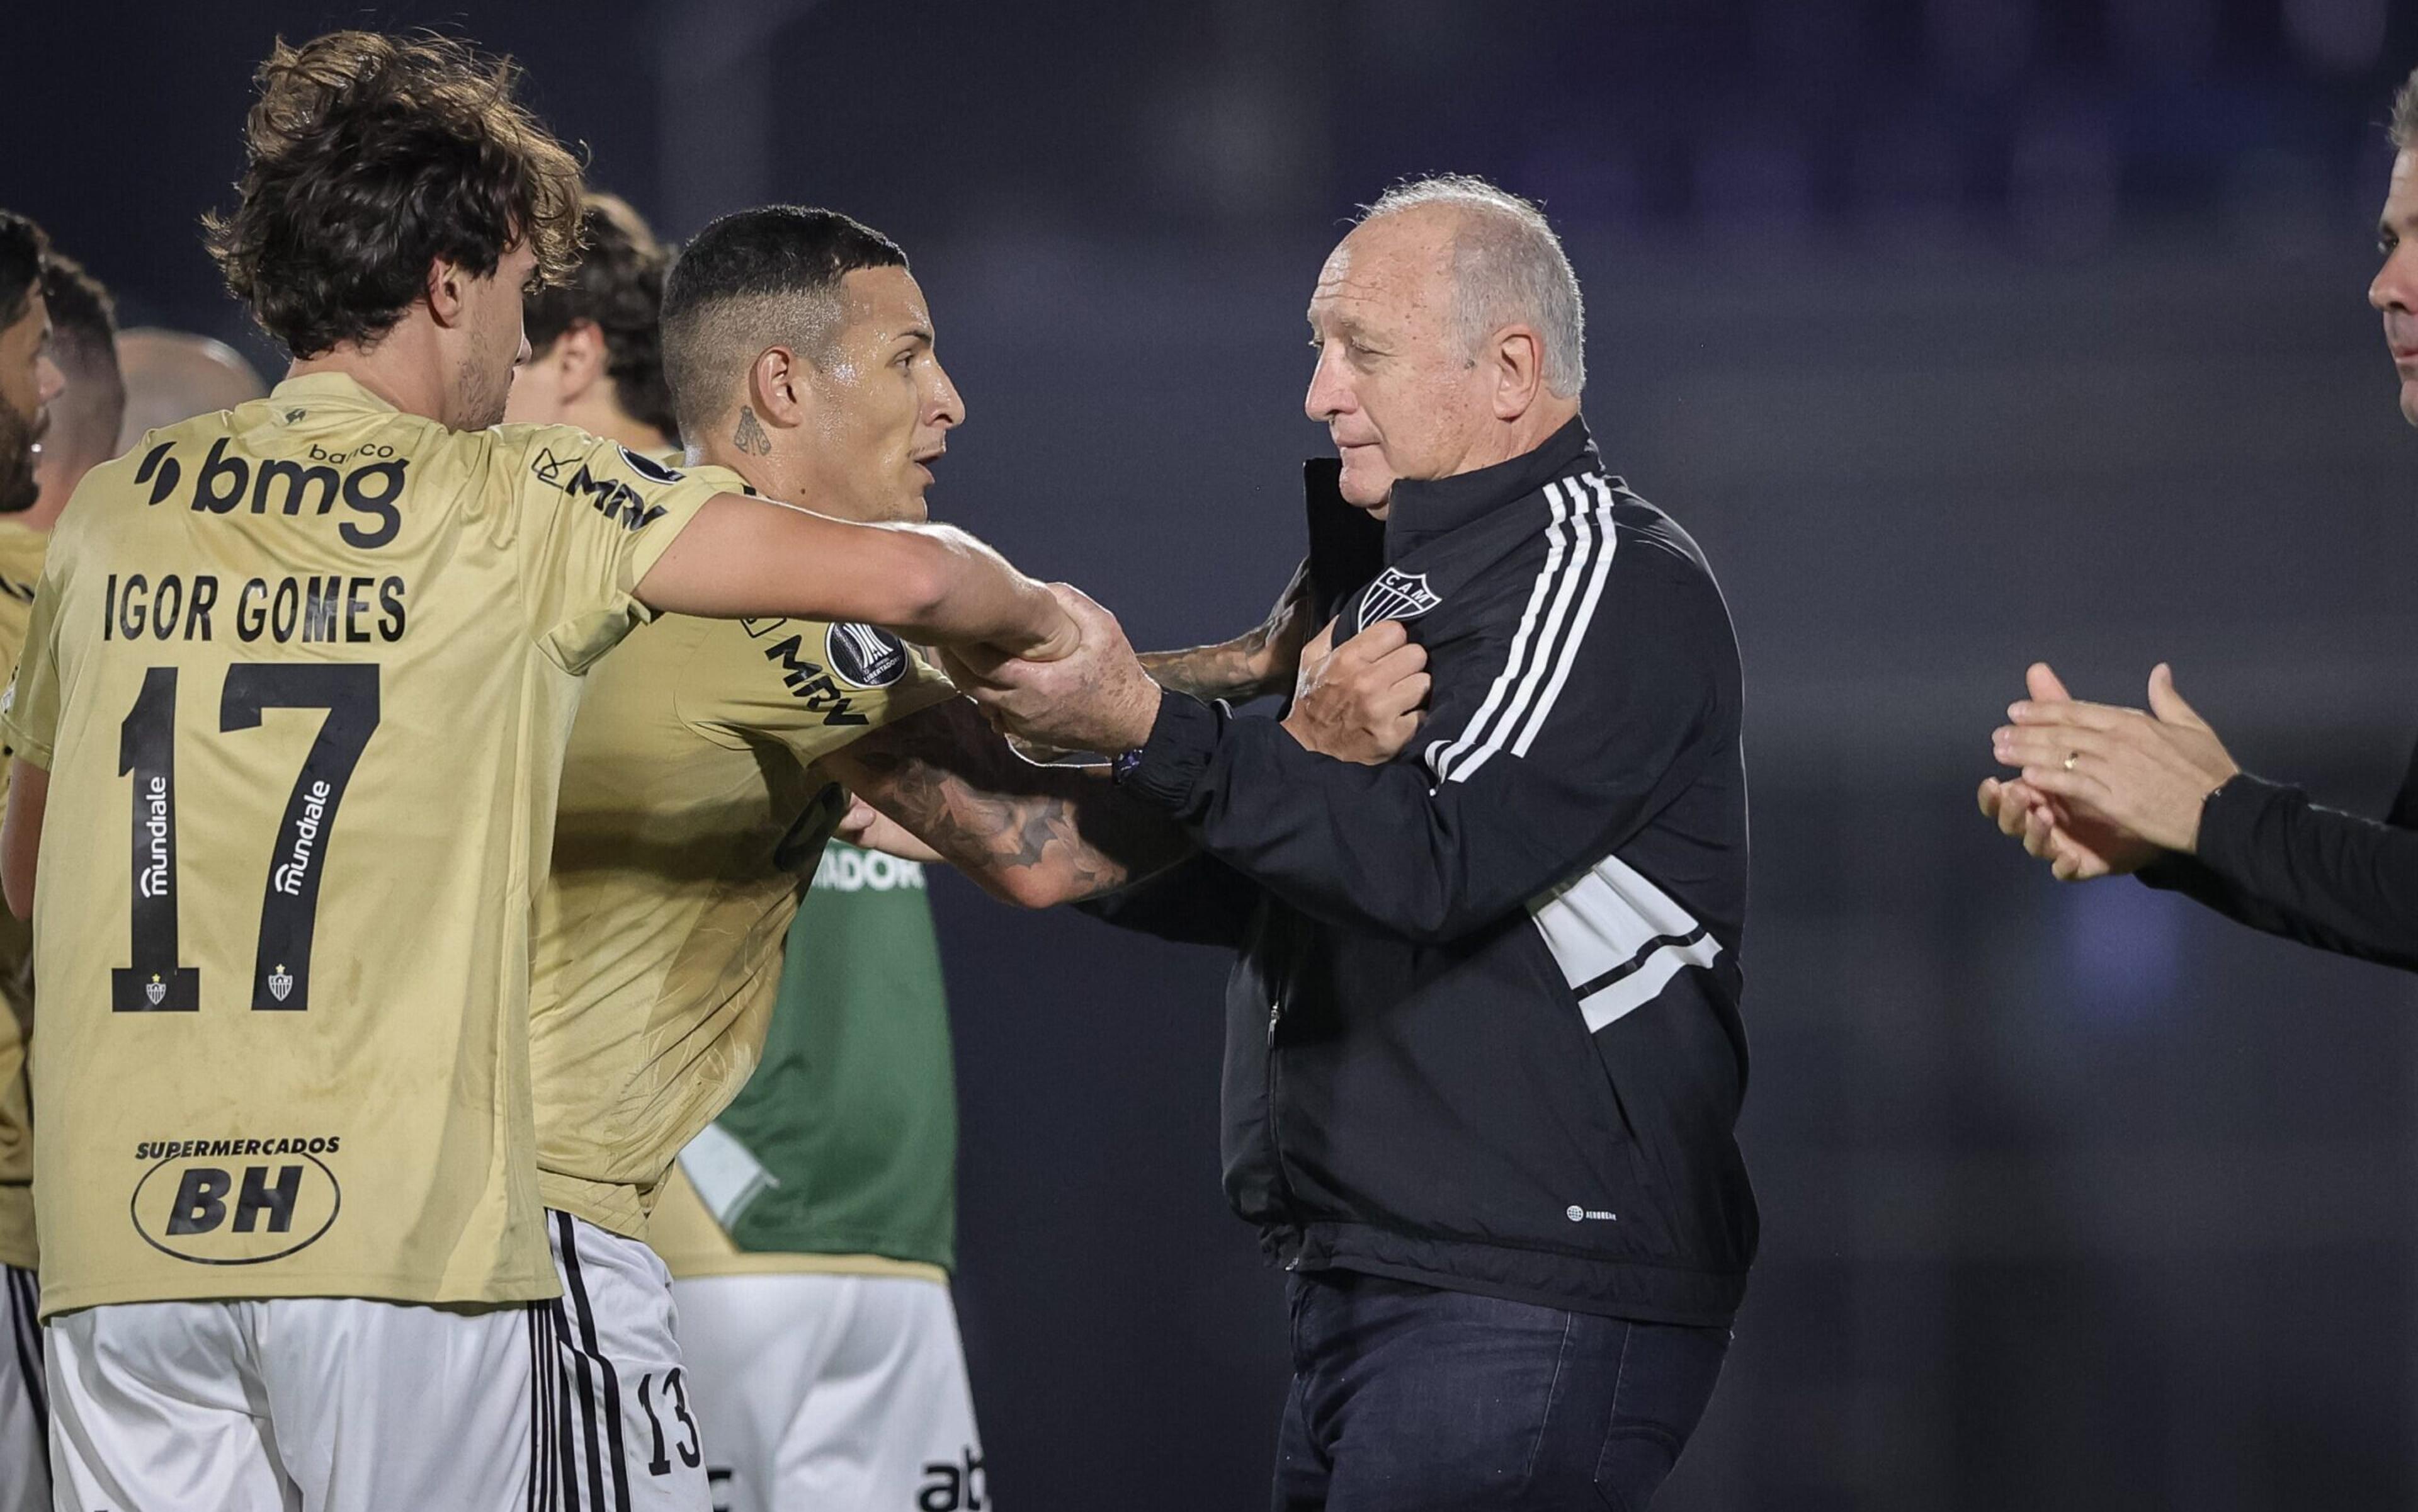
(1424, 508)
(328, 388)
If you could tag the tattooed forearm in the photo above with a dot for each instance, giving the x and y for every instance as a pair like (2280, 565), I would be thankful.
(1034, 835)
(1234, 669)
(1260, 661)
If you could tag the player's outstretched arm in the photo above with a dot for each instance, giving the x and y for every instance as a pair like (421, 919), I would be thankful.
(20, 834)
(1030, 835)
(1038, 836)
(744, 559)
(1262, 659)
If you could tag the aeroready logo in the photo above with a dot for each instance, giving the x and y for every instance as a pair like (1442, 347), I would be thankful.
(864, 656)
(235, 1201)
(1396, 595)
(1578, 1215)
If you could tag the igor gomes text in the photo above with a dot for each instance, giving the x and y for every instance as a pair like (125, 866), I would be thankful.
(335, 608)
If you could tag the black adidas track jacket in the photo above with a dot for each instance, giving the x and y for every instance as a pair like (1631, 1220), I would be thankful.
(1484, 1031)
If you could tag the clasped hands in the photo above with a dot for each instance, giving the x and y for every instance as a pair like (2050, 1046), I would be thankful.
(1359, 702)
(2102, 789)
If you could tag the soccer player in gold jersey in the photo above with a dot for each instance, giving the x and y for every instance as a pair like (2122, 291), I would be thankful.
(82, 434)
(313, 664)
(703, 779)
(31, 385)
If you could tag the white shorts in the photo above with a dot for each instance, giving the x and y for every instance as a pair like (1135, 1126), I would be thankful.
(24, 1400)
(832, 1390)
(624, 1426)
(296, 1404)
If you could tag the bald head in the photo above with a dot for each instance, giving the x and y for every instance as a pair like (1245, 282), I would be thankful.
(1505, 266)
(172, 375)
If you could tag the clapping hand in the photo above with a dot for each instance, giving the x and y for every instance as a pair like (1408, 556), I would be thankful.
(2104, 790)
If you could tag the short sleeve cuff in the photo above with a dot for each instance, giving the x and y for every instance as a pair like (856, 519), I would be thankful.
(1182, 740)
(681, 508)
(16, 743)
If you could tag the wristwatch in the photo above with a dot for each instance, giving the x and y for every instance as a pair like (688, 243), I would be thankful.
(1124, 764)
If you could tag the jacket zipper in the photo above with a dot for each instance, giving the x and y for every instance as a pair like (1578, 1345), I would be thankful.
(1275, 1140)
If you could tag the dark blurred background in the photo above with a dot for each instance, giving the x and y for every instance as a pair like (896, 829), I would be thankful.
(1960, 332)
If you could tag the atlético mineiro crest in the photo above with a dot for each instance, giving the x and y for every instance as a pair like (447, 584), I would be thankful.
(155, 989)
(1397, 595)
(280, 982)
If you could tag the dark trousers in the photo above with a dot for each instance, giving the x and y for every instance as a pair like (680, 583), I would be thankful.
(1406, 1398)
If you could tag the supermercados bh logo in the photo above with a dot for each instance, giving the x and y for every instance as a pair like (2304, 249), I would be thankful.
(610, 497)
(235, 1201)
(864, 656)
(1397, 595)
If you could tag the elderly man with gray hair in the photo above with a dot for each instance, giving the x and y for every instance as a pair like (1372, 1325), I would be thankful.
(1484, 1054)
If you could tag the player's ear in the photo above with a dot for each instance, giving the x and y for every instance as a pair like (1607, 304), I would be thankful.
(580, 352)
(777, 385)
(446, 293)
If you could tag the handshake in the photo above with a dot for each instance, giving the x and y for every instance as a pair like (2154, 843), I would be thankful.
(1086, 689)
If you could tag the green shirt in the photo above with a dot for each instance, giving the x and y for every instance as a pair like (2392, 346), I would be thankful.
(845, 1141)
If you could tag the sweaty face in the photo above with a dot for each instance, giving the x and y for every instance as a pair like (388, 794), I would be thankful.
(29, 380)
(2394, 293)
(1394, 388)
(883, 406)
(482, 381)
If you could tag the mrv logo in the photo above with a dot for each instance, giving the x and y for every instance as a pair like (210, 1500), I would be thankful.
(209, 1212)
(224, 483)
(810, 682)
(610, 497)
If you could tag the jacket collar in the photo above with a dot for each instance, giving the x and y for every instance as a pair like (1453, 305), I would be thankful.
(1426, 508)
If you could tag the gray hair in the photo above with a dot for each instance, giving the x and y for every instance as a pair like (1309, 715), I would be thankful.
(2404, 129)
(1508, 267)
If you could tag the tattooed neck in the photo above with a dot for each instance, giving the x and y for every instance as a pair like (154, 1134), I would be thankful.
(750, 437)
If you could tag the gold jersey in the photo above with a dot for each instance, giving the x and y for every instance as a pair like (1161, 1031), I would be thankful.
(303, 674)
(20, 568)
(690, 820)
